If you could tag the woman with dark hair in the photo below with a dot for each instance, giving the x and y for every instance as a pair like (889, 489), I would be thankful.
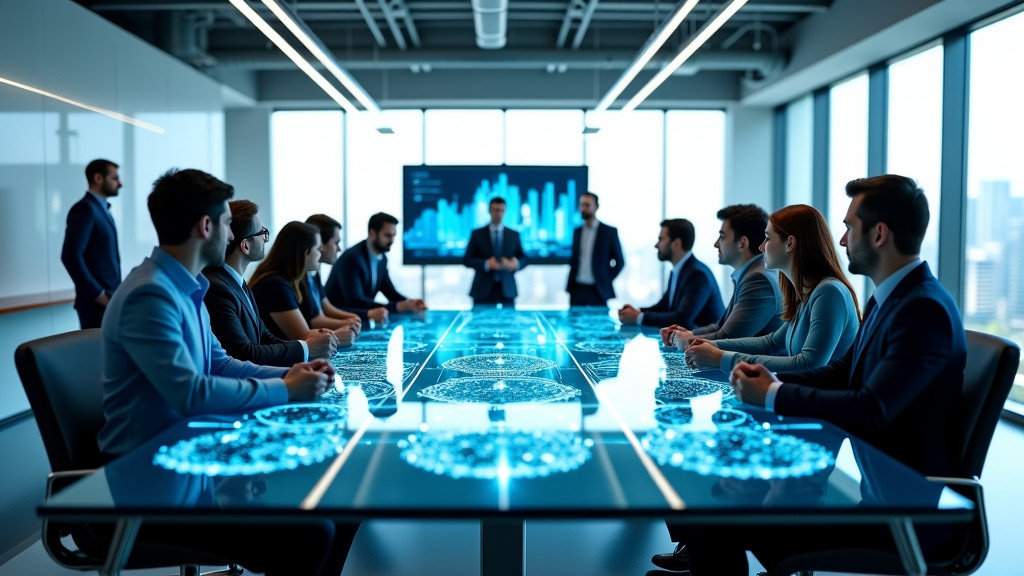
(281, 286)
(819, 308)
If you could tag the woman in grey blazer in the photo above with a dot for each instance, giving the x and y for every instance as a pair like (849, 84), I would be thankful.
(820, 310)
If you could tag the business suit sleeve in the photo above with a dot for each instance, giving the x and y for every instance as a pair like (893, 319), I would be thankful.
(352, 272)
(697, 291)
(226, 313)
(827, 311)
(520, 254)
(80, 226)
(916, 347)
(616, 254)
(476, 253)
(755, 306)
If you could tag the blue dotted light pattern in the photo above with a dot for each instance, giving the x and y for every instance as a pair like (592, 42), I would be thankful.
(499, 391)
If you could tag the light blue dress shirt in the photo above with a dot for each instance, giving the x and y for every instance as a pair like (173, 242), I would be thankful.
(161, 362)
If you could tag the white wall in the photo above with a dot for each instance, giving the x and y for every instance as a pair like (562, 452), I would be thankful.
(59, 47)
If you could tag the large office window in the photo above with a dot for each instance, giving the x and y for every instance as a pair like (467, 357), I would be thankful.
(799, 150)
(915, 133)
(848, 157)
(306, 179)
(994, 283)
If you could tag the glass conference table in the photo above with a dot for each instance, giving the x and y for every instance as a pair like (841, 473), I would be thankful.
(506, 416)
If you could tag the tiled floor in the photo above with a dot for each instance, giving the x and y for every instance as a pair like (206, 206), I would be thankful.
(608, 548)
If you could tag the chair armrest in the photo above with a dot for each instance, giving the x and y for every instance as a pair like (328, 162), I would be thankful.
(57, 481)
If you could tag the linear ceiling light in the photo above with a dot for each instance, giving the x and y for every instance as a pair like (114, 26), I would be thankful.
(98, 110)
(293, 55)
(308, 39)
(688, 49)
(649, 49)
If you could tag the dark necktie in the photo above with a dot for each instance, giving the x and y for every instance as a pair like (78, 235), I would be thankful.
(252, 299)
(497, 252)
(865, 325)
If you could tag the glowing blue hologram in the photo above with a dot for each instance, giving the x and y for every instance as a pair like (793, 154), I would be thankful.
(742, 453)
(490, 454)
(676, 390)
(303, 416)
(501, 391)
(250, 450)
(382, 345)
(602, 369)
(675, 366)
(676, 415)
(376, 390)
(594, 335)
(498, 365)
(337, 394)
(366, 366)
(600, 346)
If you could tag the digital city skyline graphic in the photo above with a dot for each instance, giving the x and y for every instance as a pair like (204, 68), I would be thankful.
(444, 204)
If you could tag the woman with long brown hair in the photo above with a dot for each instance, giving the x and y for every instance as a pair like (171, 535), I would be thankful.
(819, 308)
(282, 290)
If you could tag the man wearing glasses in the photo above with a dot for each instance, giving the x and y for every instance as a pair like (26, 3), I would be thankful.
(234, 317)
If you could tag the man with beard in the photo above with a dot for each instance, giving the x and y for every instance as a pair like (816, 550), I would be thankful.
(596, 258)
(90, 252)
(362, 272)
(161, 364)
(330, 237)
(897, 387)
(692, 298)
(234, 316)
(756, 300)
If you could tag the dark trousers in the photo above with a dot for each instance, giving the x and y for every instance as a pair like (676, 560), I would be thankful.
(494, 297)
(90, 314)
(585, 295)
(311, 548)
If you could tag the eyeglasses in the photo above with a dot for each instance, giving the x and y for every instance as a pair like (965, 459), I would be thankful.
(265, 233)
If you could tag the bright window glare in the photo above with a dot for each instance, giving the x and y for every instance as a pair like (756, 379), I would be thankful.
(915, 133)
(799, 151)
(848, 158)
(994, 283)
(307, 167)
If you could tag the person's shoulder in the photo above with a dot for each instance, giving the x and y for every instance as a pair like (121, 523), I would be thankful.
(830, 287)
(353, 251)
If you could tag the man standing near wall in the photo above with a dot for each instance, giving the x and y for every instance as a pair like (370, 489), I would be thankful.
(496, 254)
(596, 258)
(90, 252)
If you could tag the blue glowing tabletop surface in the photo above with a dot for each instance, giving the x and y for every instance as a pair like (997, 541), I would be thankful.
(520, 414)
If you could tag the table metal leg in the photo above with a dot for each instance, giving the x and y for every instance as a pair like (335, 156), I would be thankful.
(121, 545)
(502, 551)
(908, 546)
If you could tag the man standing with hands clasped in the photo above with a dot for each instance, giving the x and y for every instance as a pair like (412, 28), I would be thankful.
(496, 254)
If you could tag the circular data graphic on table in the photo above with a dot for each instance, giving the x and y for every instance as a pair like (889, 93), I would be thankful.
(497, 365)
(303, 416)
(488, 455)
(675, 415)
(249, 450)
(742, 453)
(500, 391)
(611, 346)
(675, 390)
(376, 390)
(382, 346)
(675, 366)
(366, 366)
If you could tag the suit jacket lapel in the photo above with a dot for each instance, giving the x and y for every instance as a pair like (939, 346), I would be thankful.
(239, 293)
(916, 276)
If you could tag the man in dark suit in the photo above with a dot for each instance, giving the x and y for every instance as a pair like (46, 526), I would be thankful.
(756, 301)
(234, 317)
(692, 297)
(362, 272)
(496, 254)
(897, 387)
(90, 251)
(596, 258)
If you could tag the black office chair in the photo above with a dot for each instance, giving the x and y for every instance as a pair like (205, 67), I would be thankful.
(62, 377)
(988, 376)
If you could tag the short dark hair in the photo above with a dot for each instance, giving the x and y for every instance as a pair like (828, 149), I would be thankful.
(98, 166)
(682, 229)
(597, 202)
(180, 198)
(748, 220)
(495, 200)
(897, 201)
(326, 224)
(378, 220)
(243, 212)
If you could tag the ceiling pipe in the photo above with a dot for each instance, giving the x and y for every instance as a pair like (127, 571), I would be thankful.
(490, 19)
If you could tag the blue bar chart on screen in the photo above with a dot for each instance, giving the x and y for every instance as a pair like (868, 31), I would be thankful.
(443, 204)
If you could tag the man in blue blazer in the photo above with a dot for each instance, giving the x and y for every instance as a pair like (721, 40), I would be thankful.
(898, 387)
(235, 318)
(90, 251)
(362, 271)
(692, 298)
(596, 258)
(496, 254)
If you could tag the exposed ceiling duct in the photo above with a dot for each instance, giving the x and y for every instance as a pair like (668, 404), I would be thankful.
(490, 20)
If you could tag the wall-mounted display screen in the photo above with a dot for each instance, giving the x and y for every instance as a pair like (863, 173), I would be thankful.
(443, 204)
